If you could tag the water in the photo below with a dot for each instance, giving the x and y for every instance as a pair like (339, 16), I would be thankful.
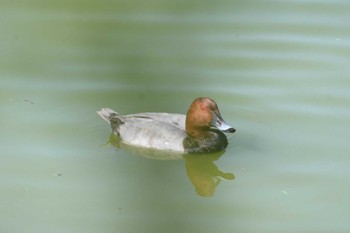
(278, 71)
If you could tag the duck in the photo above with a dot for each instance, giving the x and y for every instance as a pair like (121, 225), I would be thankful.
(201, 130)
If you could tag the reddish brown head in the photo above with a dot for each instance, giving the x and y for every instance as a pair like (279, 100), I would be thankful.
(203, 114)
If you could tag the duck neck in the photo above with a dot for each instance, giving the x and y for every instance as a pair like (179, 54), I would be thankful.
(200, 128)
(196, 132)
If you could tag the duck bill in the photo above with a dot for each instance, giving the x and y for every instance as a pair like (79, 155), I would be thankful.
(219, 123)
(226, 128)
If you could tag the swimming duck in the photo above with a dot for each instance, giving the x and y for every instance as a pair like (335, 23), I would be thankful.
(199, 131)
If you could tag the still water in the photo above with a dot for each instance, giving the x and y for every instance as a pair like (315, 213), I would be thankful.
(279, 71)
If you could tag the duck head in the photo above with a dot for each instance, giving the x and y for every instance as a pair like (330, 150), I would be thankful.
(204, 114)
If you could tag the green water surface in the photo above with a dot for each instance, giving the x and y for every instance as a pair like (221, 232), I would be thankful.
(279, 71)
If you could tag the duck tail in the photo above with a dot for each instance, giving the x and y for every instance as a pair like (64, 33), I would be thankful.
(106, 114)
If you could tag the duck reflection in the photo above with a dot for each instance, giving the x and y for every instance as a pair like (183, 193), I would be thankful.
(204, 174)
(201, 170)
